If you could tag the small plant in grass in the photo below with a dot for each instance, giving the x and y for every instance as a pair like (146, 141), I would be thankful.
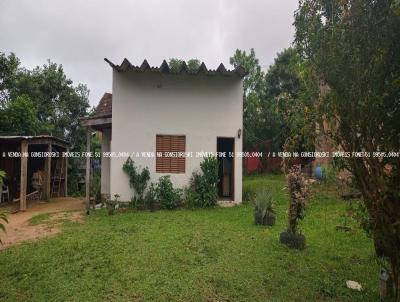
(137, 179)
(112, 204)
(264, 208)
(168, 196)
(298, 190)
(202, 191)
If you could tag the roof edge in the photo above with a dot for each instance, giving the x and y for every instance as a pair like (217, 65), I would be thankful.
(165, 68)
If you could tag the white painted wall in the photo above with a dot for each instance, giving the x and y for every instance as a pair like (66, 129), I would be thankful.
(105, 162)
(200, 107)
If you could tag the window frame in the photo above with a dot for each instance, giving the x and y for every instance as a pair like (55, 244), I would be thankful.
(171, 165)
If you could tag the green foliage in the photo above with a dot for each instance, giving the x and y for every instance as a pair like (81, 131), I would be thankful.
(253, 93)
(353, 47)
(175, 65)
(263, 201)
(43, 101)
(357, 211)
(8, 73)
(264, 207)
(278, 105)
(137, 179)
(95, 187)
(2, 176)
(203, 191)
(150, 198)
(290, 96)
(167, 195)
(329, 173)
(193, 65)
(19, 117)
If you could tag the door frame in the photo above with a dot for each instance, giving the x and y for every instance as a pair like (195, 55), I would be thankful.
(233, 163)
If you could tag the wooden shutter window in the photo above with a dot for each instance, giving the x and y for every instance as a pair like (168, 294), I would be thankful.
(166, 144)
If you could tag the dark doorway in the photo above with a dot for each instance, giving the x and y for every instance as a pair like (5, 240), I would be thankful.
(226, 167)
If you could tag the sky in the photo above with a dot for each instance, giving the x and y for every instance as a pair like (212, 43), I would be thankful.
(80, 34)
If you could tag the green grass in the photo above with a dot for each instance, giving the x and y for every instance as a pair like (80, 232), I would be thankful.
(39, 218)
(202, 255)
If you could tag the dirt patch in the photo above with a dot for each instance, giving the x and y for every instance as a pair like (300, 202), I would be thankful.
(41, 219)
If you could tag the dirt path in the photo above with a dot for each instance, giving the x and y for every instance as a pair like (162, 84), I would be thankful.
(20, 228)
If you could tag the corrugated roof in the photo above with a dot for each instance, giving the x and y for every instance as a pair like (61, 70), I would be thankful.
(239, 71)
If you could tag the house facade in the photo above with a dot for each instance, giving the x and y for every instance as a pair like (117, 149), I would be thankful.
(182, 116)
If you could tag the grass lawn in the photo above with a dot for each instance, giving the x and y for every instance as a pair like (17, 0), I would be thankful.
(201, 255)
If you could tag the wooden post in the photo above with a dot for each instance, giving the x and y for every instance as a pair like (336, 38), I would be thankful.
(47, 172)
(24, 175)
(66, 174)
(87, 180)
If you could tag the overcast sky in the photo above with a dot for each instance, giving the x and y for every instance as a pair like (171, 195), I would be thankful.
(79, 34)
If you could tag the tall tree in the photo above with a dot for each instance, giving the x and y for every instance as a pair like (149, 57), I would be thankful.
(42, 101)
(19, 117)
(353, 45)
(253, 94)
(8, 70)
(289, 98)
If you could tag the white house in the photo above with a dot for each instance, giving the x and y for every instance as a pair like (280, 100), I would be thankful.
(153, 109)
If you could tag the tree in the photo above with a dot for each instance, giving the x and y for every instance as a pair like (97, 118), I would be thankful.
(353, 46)
(193, 65)
(175, 64)
(49, 96)
(8, 70)
(19, 117)
(253, 93)
(289, 94)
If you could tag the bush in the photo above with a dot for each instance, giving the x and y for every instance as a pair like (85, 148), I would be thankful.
(167, 195)
(203, 191)
(137, 180)
(150, 199)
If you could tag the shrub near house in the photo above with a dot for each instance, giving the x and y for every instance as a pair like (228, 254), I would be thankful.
(201, 192)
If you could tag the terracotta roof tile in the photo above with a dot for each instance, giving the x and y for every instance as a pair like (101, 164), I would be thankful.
(104, 107)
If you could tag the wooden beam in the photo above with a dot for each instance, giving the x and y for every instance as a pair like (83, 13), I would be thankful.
(97, 121)
(24, 175)
(46, 141)
(87, 180)
(47, 174)
(66, 175)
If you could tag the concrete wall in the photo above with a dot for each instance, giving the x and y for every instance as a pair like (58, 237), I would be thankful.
(201, 108)
(105, 163)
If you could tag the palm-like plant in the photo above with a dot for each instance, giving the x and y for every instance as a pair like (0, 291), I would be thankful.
(264, 207)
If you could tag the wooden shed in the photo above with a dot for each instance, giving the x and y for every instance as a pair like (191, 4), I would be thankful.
(35, 166)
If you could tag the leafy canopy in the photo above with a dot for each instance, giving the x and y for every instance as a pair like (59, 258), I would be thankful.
(353, 47)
